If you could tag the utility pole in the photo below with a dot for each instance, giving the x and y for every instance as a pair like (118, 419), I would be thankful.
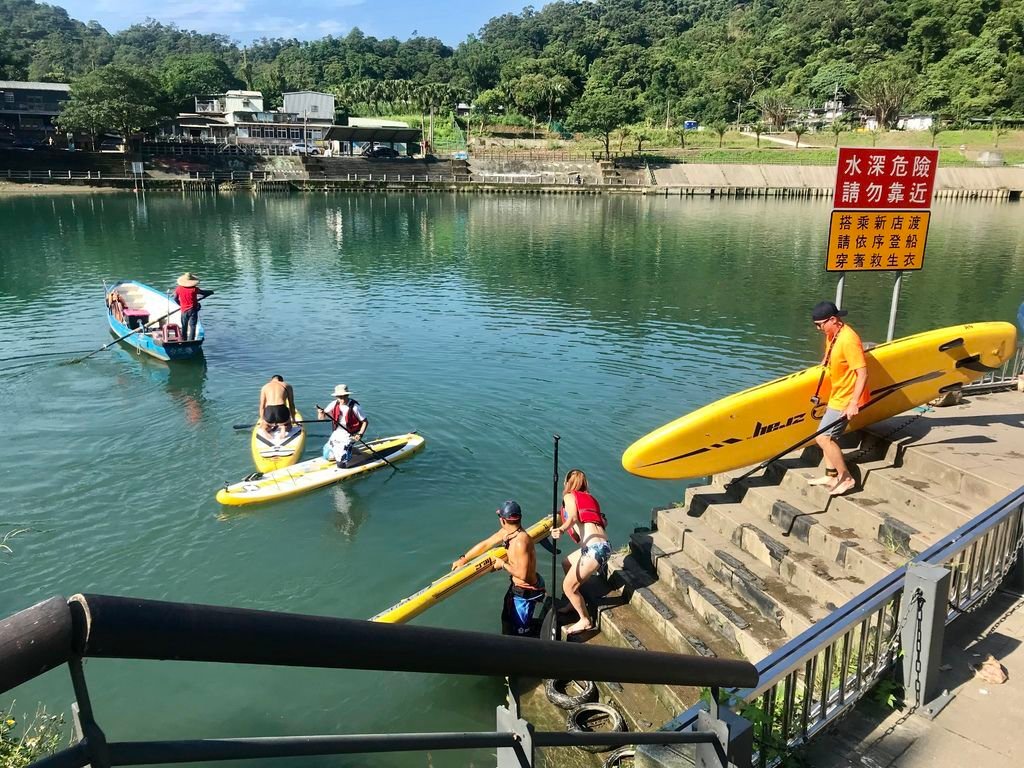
(738, 105)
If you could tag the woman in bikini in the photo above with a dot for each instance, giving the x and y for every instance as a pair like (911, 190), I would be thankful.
(582, 518)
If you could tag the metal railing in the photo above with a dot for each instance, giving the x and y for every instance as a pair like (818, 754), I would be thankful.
(14, 175)
(1005, 378)
(819, 675)
(59, 631)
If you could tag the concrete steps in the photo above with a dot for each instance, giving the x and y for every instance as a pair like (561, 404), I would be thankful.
(753, 582)
(745, 629)
(622, 626)
(772, 542)
(655, 603)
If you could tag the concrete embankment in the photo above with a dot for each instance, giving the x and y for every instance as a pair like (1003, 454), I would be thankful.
(819, 181)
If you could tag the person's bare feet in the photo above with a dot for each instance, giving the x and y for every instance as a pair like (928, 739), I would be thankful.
(843, 486)
(823, 480)
(583, 625)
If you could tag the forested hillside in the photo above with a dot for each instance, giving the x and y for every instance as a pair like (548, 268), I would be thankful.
(703, 59)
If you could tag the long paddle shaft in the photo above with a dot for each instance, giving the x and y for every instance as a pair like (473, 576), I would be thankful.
(361, 441)
(298, 421)
(776, 457)
(122, 338)
(555, 522)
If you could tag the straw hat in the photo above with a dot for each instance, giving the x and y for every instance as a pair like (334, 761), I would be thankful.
(341, 391)
(188, 280)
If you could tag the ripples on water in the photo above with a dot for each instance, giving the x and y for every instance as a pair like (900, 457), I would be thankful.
(485, 323)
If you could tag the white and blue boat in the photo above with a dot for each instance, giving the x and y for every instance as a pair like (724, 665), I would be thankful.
(150, 321)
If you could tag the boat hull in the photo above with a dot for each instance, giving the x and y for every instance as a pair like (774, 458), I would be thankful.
(157, 340)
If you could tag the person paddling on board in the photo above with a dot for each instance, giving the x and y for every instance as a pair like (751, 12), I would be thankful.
(349, 425)
(277, 405)
(187, 295)
(583, 521)
(848, 373)
(526, 590)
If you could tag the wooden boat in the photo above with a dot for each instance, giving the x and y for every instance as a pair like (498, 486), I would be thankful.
(150, 321)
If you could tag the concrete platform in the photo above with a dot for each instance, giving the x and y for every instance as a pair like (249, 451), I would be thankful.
(980, 727)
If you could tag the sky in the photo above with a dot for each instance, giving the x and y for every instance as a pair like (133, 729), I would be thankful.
(247, 20)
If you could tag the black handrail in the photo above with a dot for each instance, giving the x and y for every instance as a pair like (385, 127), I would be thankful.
(59, 631)
(131, 628)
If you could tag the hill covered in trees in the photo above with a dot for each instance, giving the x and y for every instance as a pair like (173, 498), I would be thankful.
(645, 59)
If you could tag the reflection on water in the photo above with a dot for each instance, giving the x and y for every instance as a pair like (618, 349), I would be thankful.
(486, 323)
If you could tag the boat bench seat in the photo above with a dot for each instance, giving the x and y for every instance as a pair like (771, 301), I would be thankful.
(136, 313)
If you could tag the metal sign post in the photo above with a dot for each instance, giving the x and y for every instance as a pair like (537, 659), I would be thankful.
(881, 217)
(895, 303)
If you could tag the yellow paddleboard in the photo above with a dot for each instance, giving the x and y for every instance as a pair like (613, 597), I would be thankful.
(270, 452)
(763, 421)
(451, 583)
(318, 472)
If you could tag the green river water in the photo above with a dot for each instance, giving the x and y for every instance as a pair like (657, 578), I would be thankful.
(485, 323)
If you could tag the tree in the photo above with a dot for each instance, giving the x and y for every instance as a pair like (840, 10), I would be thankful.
(641, 134)
(837, 130)
(601, 110)
(998, 129)
(758, 129)
(885, 89)
(800, 129)
(113, 98)
(935, 129)
(719, 127)
(774, 108)
(189, 75)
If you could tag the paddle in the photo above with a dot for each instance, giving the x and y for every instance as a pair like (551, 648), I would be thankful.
(360, 440)
(555, 522)
(298, 421)
(122, 338)
(776, 457)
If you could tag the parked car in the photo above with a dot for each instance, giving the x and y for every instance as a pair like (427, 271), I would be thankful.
(381, 152)
(111, 144)
(303, 148)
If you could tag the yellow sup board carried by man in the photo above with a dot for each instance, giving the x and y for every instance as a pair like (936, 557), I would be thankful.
(763, 421)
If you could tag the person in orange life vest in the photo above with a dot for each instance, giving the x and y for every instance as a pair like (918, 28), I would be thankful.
(349, 425)
(187, 295)
(582, 518)
(848, 373)
(526, 590)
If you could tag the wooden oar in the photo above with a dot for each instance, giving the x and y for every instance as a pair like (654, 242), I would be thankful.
(361, 441)
(122, 338)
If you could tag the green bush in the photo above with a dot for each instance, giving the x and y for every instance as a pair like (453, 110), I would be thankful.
(40, 736)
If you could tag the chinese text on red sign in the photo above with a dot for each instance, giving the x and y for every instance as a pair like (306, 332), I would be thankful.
(885, 178)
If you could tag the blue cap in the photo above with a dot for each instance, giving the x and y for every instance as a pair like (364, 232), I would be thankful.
(510, 510)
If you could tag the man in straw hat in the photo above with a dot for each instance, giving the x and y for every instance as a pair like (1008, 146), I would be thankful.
(187, 294)
(349, 425)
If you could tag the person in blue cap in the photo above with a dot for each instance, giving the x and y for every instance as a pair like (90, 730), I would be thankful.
(526, 591)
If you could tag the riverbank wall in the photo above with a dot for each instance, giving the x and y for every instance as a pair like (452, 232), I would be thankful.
(488, 175)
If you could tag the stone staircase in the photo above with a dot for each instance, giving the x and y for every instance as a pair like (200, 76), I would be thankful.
(737, 570)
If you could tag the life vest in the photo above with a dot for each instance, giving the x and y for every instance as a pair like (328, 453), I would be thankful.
(351, 422)
(588, 510)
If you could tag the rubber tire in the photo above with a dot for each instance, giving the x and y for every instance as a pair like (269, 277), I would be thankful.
(572, 723)
(613, 760)
(555, 691)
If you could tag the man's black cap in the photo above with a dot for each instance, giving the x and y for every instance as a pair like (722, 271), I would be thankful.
(823, 310)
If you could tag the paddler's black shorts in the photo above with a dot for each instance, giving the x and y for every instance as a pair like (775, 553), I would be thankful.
(277, 414)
